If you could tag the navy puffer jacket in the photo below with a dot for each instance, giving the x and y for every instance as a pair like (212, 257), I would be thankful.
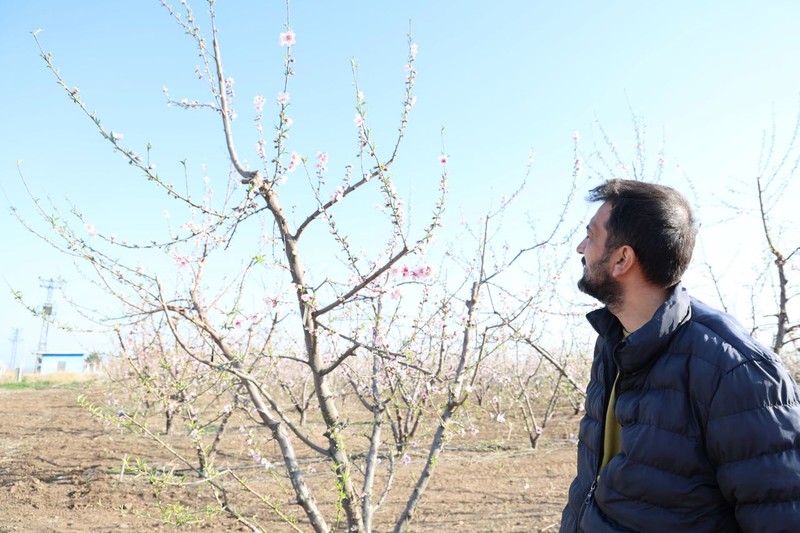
(710, 429)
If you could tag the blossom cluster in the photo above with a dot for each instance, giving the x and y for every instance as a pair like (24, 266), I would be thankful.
(418, 273)
(294, 160)
(254, 454)
(180, 259)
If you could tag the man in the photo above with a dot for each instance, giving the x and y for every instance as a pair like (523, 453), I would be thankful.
(691, 424)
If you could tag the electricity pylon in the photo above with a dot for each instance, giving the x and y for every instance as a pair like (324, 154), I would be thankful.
(47, 312)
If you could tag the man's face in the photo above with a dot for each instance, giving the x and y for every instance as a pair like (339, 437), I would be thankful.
(597, 280)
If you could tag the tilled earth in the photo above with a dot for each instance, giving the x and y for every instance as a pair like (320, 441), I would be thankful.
(60, 471)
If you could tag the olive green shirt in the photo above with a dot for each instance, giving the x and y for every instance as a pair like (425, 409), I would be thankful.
(611, 438)
(611, 444)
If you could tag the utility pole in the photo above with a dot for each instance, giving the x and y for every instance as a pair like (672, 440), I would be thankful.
(47, 312)
(15, 340)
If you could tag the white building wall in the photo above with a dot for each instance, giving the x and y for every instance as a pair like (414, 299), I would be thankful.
(52, 363)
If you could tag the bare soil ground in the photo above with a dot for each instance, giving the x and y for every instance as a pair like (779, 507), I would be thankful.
(60, 471)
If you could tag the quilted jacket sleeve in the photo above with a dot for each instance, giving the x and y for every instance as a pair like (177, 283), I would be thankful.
(753, 437)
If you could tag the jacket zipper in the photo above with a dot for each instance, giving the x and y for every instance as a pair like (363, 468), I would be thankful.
(585, 504)
(593, 486)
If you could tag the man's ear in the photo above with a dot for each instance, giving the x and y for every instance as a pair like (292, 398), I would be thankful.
(624, 260)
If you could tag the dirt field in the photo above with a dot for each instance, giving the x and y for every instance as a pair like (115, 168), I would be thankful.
(60, 471)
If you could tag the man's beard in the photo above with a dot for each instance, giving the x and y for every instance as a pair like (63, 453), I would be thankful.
(598, 283)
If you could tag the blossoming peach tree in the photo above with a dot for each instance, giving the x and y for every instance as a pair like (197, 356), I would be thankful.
(333, 372)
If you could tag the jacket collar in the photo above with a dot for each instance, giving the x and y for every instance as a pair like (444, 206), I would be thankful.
(640, 347)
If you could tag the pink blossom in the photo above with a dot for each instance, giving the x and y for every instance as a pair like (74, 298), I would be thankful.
(293, 162)
(287, 121)
(413, 50)
(422, 272)
(443, 159)
(539, 430)
(283, 98)
(90, 229)
(258, 102)
(288, 38)
(576, 136)
(180, 260)
(322, 161)
(359, 120)
(116, 136)
(405, 459)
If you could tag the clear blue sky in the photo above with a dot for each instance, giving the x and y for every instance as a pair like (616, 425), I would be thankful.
(502, 78)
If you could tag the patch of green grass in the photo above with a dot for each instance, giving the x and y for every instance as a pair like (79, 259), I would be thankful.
(20, 385)
(42, 384)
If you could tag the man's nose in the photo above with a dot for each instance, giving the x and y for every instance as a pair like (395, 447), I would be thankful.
(581, 246)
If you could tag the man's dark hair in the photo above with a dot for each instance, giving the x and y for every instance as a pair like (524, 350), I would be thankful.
(656, 221)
